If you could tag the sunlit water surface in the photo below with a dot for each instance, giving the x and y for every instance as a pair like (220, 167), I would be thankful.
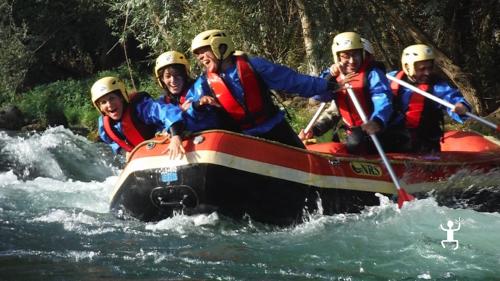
(55, 225)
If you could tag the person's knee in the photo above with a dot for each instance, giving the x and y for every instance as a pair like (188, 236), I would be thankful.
(354, 142)
(396, 141)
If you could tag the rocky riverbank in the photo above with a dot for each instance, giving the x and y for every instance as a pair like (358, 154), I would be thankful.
(13, 119)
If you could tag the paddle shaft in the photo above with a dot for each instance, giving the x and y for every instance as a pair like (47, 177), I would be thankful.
(315, 117)
(441, 101)
(373, 136)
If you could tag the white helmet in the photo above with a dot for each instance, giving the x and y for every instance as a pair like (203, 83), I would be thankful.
(105, 86)
(413, 54)
(344, 42)
(169, 58)
(214, 38)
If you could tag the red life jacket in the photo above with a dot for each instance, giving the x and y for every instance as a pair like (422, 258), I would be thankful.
(133, 130)
(254, 110)
(416, 104)
(346, 106)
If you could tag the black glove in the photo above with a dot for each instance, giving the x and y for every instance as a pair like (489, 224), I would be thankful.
(196, 105)
(177, 128)
(332, 85)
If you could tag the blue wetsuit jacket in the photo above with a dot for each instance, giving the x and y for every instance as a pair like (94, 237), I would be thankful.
(379, 91)
(441, 90)
(274, 76)
(149, 111)
(209, 121)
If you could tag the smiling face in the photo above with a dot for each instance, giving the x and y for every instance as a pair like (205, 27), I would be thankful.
(350, 61)
(423, 71)
(111, 105)
(174, 79)
(207, 58)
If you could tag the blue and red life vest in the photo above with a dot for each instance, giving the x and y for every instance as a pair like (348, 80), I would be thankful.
(424, 119)
(176, 99)
(134, 131)
(257, 106)
(360, 87)
(416, 105)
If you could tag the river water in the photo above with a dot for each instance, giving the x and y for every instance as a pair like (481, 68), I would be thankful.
(55, 225)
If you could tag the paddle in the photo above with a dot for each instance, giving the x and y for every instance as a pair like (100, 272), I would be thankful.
(315, 117)
(441, 101)
(403, 196)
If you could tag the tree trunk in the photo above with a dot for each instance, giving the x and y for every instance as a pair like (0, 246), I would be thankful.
(307, 34)
(454, 72)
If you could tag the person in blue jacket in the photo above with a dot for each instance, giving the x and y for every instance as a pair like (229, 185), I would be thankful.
(353, 65)
(424, 117)
(330, 117)
(127, 120)
(172, 73)
(241, 87)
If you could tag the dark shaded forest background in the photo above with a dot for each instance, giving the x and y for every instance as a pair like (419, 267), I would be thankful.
(53, 50)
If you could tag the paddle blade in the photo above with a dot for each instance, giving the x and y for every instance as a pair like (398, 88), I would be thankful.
(403, 197)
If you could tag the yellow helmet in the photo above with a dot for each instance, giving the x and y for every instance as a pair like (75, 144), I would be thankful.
(344, 42)
(168, 58)
(214, 38)
(105, 86)
(414, 53)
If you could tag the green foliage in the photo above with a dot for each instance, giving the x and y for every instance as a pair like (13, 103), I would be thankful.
(148, 24)
(88, 118)
(39, 42)
(81, 116)
(39, 104)
(72, 97)
(266, 28)
(15, 58)
(299, 117)
(48, 40)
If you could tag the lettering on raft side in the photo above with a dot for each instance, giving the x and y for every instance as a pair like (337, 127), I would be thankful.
(366, 169)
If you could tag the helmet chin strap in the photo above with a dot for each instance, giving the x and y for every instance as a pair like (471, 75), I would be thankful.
(219, 65)
(411, 78)
(222, 50)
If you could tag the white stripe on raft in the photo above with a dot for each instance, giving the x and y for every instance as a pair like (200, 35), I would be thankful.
(256, 167)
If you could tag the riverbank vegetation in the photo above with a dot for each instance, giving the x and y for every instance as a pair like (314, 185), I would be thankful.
(53, 50)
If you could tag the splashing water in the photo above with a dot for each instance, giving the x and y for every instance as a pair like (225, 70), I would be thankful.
(55, 225)
(56, 153)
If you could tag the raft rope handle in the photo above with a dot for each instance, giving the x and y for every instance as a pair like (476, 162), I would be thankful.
(146, 142)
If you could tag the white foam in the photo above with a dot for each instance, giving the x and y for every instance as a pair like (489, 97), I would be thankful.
(183, 224)
(8, 178)
(142, 255)
(426, 276)
(75, 222)
(68, 219)
(34, 153)
(82, 255)
(56, 153)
